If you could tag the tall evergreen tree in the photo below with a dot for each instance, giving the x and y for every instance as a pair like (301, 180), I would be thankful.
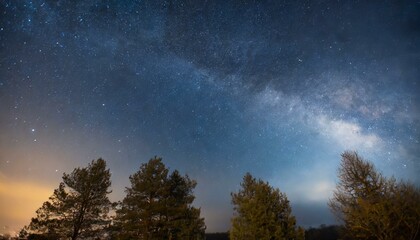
(262, 212)
(78, 208)
(158, 206)
(183, 220)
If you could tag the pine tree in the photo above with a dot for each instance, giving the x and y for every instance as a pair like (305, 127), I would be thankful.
(79, 207)
(183, 221)
(262, 212)
(159, 207)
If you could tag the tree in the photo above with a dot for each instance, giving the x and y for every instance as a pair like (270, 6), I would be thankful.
(159, 207)
(78, 208)
(373, 206)
(262, 212)
(183, 220)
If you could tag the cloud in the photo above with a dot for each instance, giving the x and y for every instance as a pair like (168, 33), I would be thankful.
(314, 189)
(320, 190)
(309, 191)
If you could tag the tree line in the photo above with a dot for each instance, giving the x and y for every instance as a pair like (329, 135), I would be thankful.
(158, 205)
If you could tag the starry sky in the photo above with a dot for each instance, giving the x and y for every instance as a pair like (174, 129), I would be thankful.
(217, 88)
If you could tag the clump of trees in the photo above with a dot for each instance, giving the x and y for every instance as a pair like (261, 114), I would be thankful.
(262, 212)
(372, 206)
(158, 205)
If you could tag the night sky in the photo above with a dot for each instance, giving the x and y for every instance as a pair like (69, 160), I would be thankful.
(216, 88)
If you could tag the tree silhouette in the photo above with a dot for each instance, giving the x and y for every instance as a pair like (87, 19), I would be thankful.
(183, 220)
(373, 206)
(78, 208)
(262, 212)
(159, 207)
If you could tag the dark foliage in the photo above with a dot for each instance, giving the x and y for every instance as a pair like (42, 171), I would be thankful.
(217, 236)
(42, 237)
(324, 232)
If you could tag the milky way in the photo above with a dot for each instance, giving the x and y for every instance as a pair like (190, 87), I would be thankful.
(217, 89)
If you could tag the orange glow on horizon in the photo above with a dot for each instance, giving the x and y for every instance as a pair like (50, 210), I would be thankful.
(18, 203)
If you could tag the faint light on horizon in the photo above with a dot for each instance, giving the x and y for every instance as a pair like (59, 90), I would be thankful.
(16, 205)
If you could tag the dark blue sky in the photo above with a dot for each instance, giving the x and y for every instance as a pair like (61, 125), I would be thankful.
(217, 88)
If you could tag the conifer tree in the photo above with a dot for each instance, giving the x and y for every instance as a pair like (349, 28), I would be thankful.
(78, 208)
(262, 212)
(183, 220)
(158, 206)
